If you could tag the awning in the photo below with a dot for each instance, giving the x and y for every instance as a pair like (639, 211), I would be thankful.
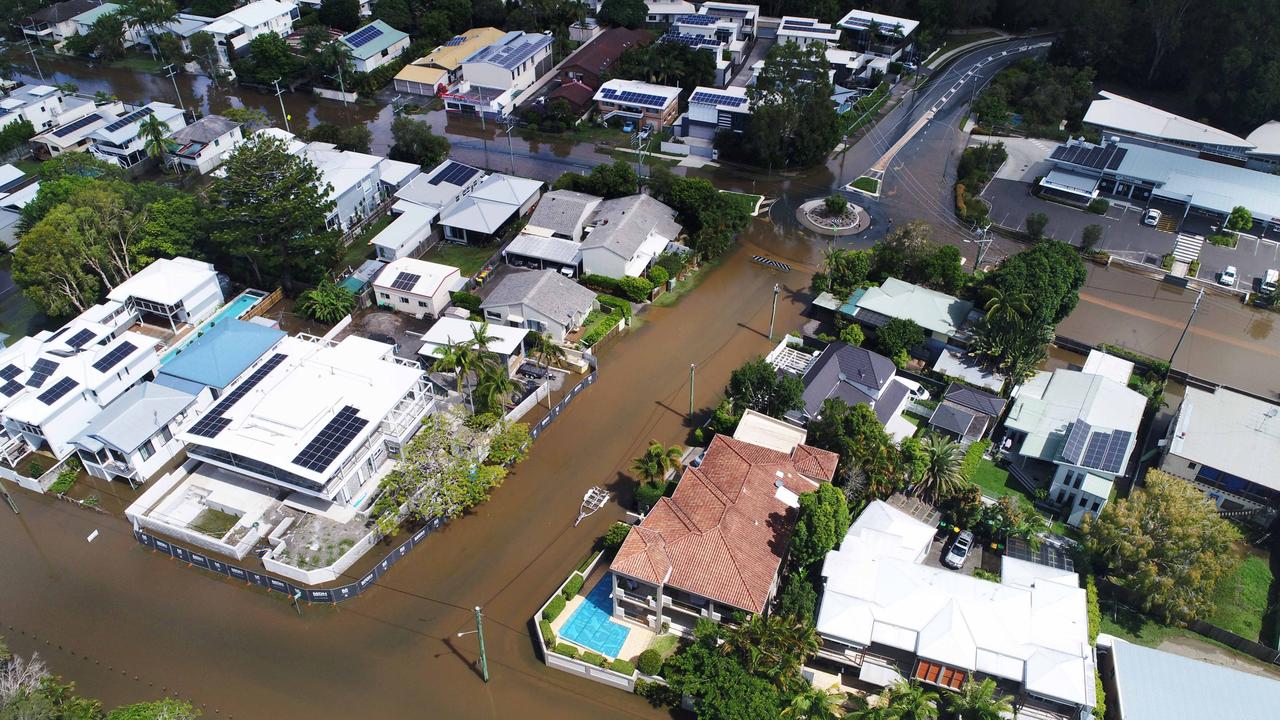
(878, 674)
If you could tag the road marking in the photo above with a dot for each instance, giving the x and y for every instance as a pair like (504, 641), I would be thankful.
(1195, 330)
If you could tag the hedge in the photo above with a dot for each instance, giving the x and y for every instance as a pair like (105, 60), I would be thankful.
(592, 657)
(1098, 206)
(972, 458)
(1095, 612)
(634, 289)
(466, 300)
(566, 650)
(650, 662)
(572, 587)
(66, 480)
(1099, 704)
(548, 635)
(623, 666)
(961, 209)
(1159, 367)
(554, 608)
(616, 303)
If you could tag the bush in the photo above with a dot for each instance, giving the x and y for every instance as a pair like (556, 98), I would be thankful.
(1036, 224)
(592, 657)
(1159, 367)
(961, 209)
(899, 335)
(1100, 704)
(614, 536)
(658, 694)
(615, 303)
(986, 575)
(1095, 612)
(1194, 267)
(566, 650)
(648, 493)
(623, 666)
(572, 587)
(658, 275)
(466, 301)
(649, 662)
(673, 262)
(1223, 240)
(1098, 206)
(1166, 262)
(972, 458)
(554, 608)
(852, 335)
(635, 289)
(548, 635)
(66, 480)
(835, 204)
(600, 283)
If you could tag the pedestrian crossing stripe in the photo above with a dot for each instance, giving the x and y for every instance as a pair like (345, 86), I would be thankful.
(771, 263)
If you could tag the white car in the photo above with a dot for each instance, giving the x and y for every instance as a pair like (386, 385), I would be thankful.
(1228, 276)
(959, 551)
(1152, 217)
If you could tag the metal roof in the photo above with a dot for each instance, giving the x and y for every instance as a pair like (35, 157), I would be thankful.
(1155, 685)
(134, 417)
(1119, 113)
(221, 354)
(514, 48)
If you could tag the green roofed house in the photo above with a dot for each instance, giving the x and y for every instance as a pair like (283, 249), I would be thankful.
(946, 319)
(374, 45)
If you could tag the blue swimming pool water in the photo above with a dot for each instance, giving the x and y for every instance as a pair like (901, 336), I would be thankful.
(234, 309)
(590, 625)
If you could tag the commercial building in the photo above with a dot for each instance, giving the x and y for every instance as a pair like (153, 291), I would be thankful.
(122, 141)
(885, 615)
(1227, 444)
(541, 300)
(880, 34)
(437, 71)
(1081, 425)
(644, 102)
(374, 45)
(202, 145)
(494, 76)
(1119, 116)
(1265, 155)
(714, 547)
(417, 287)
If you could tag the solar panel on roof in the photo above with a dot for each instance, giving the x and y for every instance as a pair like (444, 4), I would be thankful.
(11, 388)
(512, 55)
(454, 174)
(332, 439)
(210, 425)
(690, 40)
(1075, 442)
(635, 98)
(1116, 159)
(59, 389)
(1095, 450)
(213, 421)
(364, 36)
(10, 372)
(114, 356)
(41, 371)
(1114, 455)
(127, 119)
(717, 99)
(698, 20)
(66, 130)
(456, 41)
(405, 281)
(80, 339)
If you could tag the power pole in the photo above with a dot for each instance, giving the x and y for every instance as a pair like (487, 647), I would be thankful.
(1194, 309)
(173, 71)
(280, 97)
(692, 367)
(984, 241)
(774, 315)
(343, 88)
(509, 123)
(32, 52)
(479, 632)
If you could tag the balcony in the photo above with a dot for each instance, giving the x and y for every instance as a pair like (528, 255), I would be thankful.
(1241, 497)
(686, 606)
(842, 654)
(637, 598)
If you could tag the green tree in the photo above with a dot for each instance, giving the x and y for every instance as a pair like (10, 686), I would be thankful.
(167, 709)
(1036, 223)
(657, 461)
(1090, 237)
(456, 359)
(844, 270)
(104, 40)
(546, 350)
(509, 443)
(812, 703)
(719, 685)
(851, 431)
(666, 63)
(852, 334)
(172, 227)
(327, 302)
(1240, 219)
(267, 216)
(798, 597)
(341, 14)
(835, 204)
(204, 50)
(615, 180)
(494, 389)
(1164, 546)
(909, 700)
(269, 59)
(355, 138)
(793, 122)
(623, 13)
(413, 141)
(758, 386)
(823, 521)
(1006, 308)
(943, 457)
(149, 16)
(899, 335)
(980, 701)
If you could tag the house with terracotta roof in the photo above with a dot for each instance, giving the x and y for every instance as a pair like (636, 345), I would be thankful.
(589, 64)
(714, 547)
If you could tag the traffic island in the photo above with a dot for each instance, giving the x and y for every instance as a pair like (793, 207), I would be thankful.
(816, 216)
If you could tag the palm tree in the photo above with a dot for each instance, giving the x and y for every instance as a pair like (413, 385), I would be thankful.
(657, 461)
(494, 387)
(1006, 307)
(448, 360)
(149, 16)
(547, 351)
(773, 646)
(155, 134)
(979, 701)
(942, 473)
(813, 703)
(336, 58)
(480, 337)
(908, 700)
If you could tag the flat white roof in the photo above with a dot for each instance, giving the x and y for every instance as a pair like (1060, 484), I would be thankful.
(22, 395)
(860, 19)
(1108, 366)
(413, 223)
(259, 12)
(1119, 113)
(427, 279)
(802, 27)
(1230, 432)
(457, 331)
(165, 281)
(760, 429)
(1266, 138)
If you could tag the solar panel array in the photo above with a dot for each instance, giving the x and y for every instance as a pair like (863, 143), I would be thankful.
(1107, 156)
(364, 36)
(634, 98)
(510, 56)
(213, 421)
(717, 99)
(41, 371)
(405, 281)
(11, 388)
(127, 119)
(798, 24)
(1074, 446)
(1106, 451)
(80, 339)
(332, 439)
(10, 372)
(114, 356)
(693, 41)
(456, 41)
(454, 174)
(59, 389)
(697, 20)
(66, 130)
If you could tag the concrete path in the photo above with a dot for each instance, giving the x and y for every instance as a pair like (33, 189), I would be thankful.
(758, 52)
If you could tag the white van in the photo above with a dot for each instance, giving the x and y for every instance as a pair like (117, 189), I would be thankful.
(1270, 280)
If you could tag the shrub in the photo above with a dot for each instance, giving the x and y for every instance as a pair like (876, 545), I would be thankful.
(623, 666)
(572, 587)
(1095, 612)
(649, 662)
(699, 437)
(554, 608)
(1194, 267)
(327, 302)
(899, 335)
(986, 575)
(467, 301)
(615, 303)
(1100, 704)
(614, 536)
(1098, 206)
(66, 480)
(548, 635)
(1159, 367)
(658, 275)
(648, 493)
(1223, 240)
(566, 650)
(852, 335)
(835, 204)
(635, 289)
(961, 209)
(1036, 224)
(972, 458)
(673, 262)
(1166, 262)
(592, 657)
(600, 283)
(658, 694)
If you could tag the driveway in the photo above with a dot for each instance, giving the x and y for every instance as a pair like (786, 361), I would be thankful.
(758, 51)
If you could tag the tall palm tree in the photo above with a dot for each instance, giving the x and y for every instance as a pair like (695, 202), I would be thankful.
(979, 701)
(657, 461)
(1006, 308)
(909, 700)
(942, 471)
(813, 703)
(448, 359)
(149, 16)
(547, 351)
(480, 337)
(155, 134)
(773, 646)
(494, 388)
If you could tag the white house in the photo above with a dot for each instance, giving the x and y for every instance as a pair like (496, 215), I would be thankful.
(494, 76)
(742, 16)
(506, 343)
(1082, 424)
(374, 45)
(171, 292)
(644, 102)
(878, 34)
(76, 135)
(85, 20)
(418, 205)
(53, 24)
(885, 615)
(136, 434)
(541, 300)
(804, 31)
(488, 207)
(233, 31)
(711, 111)
(417, 287)
(44, 106)
(716, 35)
(202, 145)
(122, 141)
(626, 234)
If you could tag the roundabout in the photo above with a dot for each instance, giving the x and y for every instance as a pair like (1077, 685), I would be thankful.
(814, 215)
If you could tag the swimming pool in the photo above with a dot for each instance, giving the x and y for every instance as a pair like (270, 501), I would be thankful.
(591, 625)
(234, 309)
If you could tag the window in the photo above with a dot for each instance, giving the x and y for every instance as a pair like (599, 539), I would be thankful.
(422, 303)
(166, 433)
(1062, 495)
(1083, 501)
(1192, 466)
(385, 296)
(404, 300)
(147, 450)
(1096, 505)
(936, 674)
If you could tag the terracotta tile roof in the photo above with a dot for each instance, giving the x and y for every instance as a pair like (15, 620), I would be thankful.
(724, 532)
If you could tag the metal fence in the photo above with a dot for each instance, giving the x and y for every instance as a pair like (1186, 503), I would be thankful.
(536, 430)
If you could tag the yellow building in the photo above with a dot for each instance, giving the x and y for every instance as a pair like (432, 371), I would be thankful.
(434, 73)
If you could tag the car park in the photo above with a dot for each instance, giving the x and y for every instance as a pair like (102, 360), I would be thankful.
(959, 552)
(1227, 276)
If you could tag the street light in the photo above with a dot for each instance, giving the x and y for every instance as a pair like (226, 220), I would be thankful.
(774, 315)
(484, 659)
(692, 367)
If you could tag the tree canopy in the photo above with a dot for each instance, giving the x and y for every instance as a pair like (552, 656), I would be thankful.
(758, 386)
(823, 521)
(614, 180)
(793, 122)
(666, 63)
(340, 14)
(413, 141)
(623, 13)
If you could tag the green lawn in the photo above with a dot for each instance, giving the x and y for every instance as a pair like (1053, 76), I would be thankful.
(1138, 628)
(360, 250)
(467, 258)
(214, 523)
(867, 184)
(137, 63)
(665, 645)
(997, 483)
(1242, 598)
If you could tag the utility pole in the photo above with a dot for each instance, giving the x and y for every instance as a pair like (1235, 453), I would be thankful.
(479, 632)
(510, 123)
(1194, 309)
(774, 315)
(692, 367)
(280, 97)
(32, 52)
(984, 241)
(173, 71)
(342, 87)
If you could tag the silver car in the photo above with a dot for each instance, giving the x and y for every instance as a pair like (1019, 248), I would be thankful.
(959, 551)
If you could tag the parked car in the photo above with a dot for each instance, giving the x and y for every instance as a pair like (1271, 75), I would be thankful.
(695, 459)
(1152, 217)
(1228, 276)
(628, 126)
(959, 551)
(1270, 280)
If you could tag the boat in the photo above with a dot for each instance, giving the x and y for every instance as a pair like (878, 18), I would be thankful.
(593, 500)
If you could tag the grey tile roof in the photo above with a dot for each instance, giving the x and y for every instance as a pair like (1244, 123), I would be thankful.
(205, 130)
(890, 398)
(58, 12)
(623, 224)
(546, 291)
(838, 366)
(953, 418)
(135, 416)
(974, 399)
(563, 211)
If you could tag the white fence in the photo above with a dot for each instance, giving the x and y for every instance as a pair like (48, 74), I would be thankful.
(674, 148)
(325, 574)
